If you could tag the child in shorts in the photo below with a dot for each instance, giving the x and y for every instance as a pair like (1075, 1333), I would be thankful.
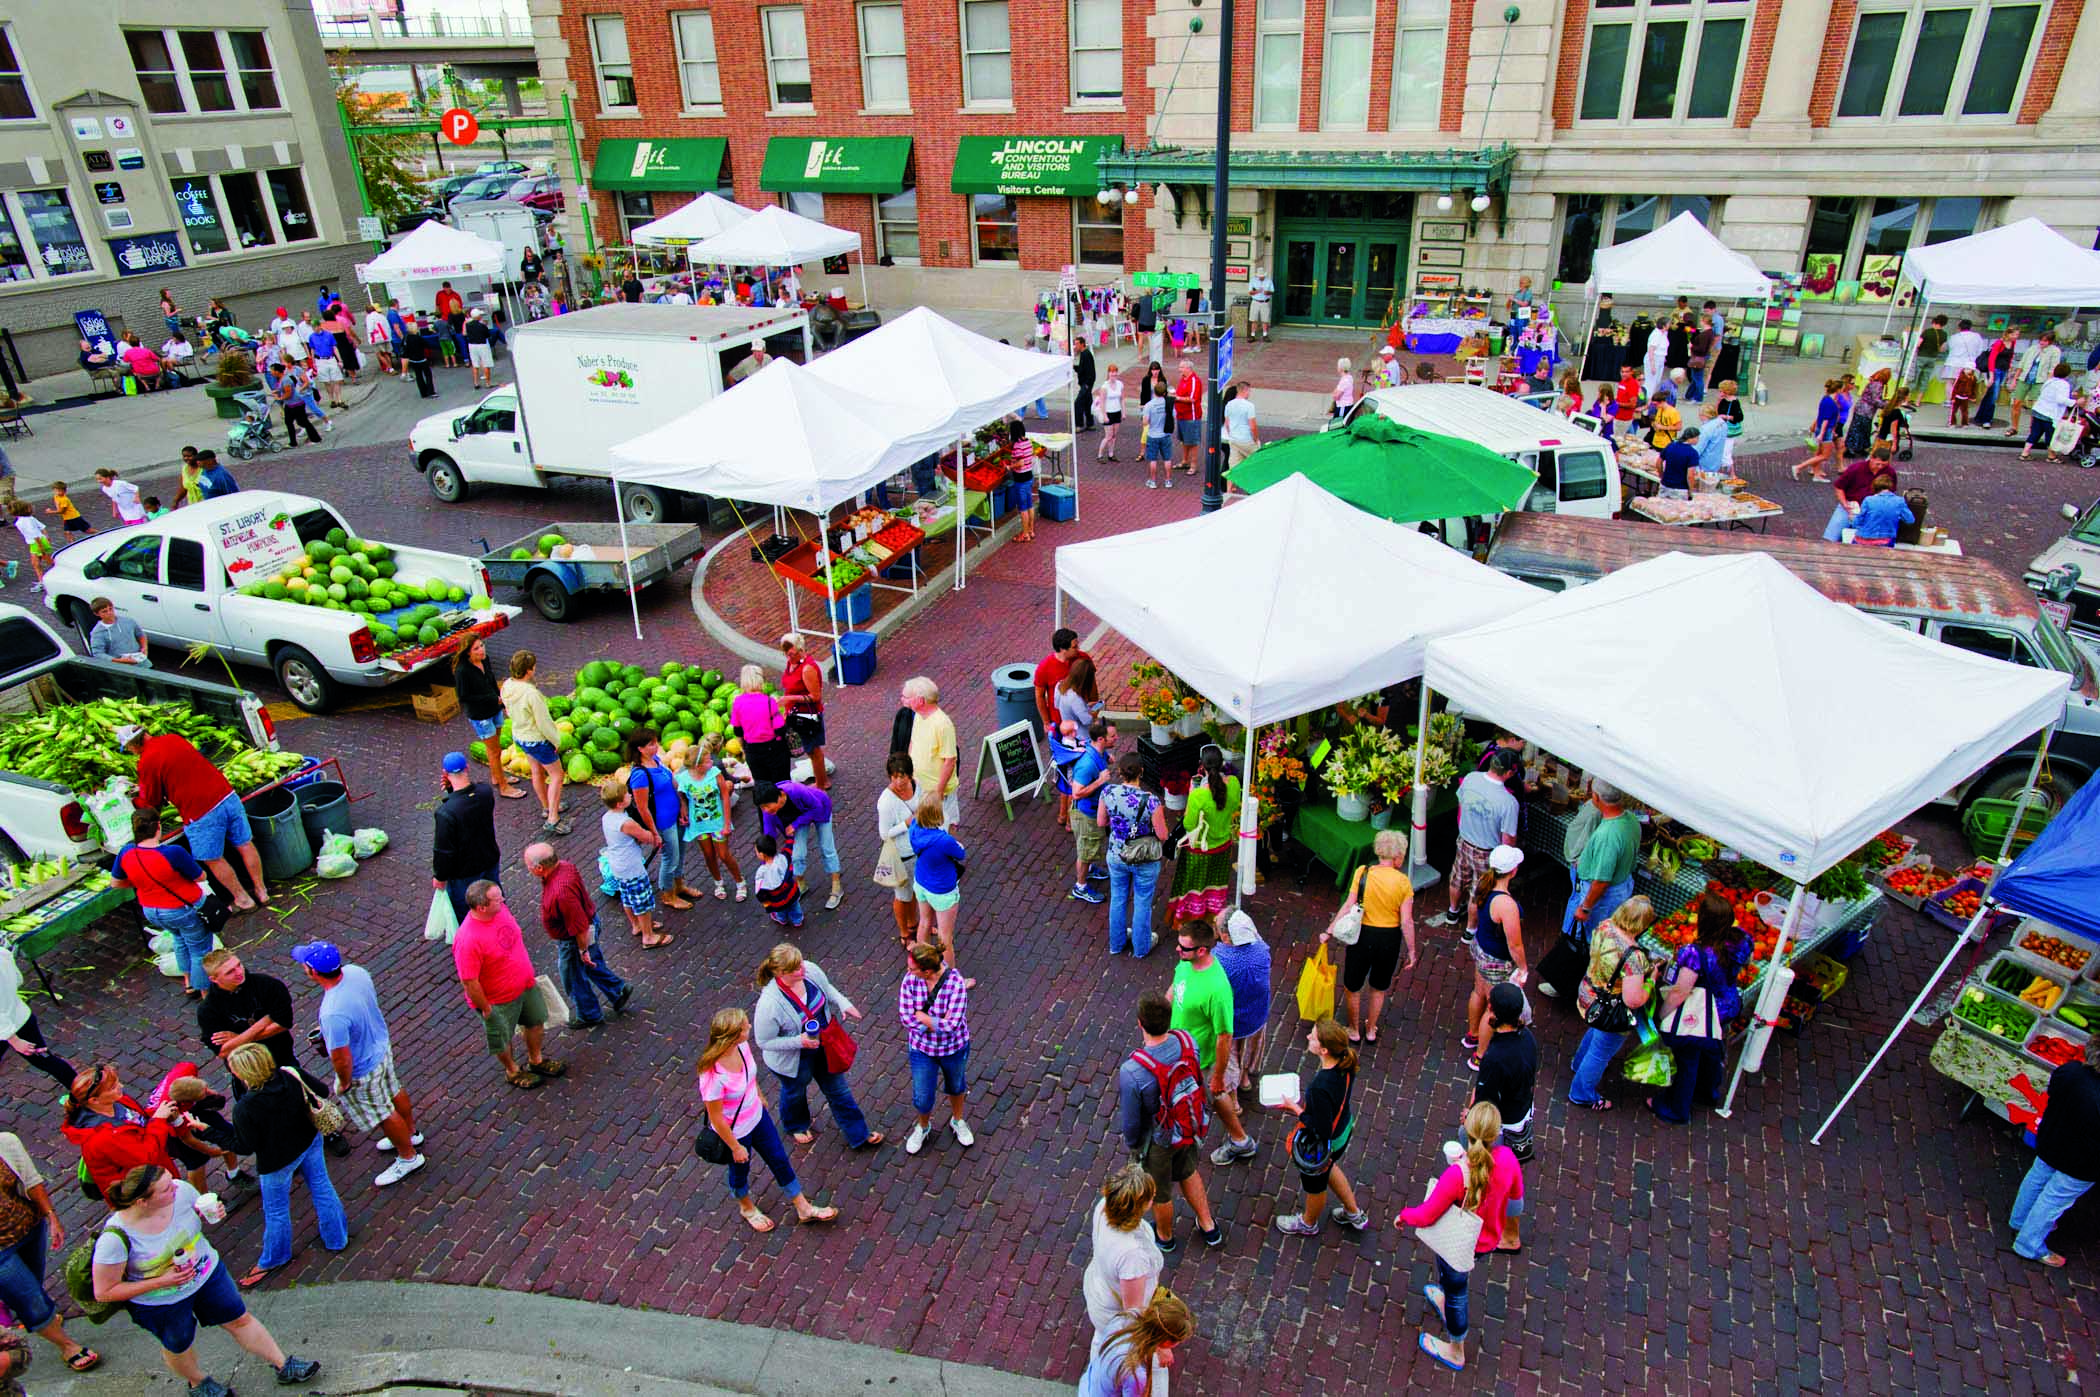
(779, 891)
(31, 529)
(63, 508)
(1020, 456)
(707, 795)
(1108, 411)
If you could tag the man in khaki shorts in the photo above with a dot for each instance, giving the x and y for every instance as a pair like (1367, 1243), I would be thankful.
(497, 975)
(1260, 292)
(1089, 840)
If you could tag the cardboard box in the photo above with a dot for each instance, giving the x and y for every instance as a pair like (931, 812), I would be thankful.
(440, 705)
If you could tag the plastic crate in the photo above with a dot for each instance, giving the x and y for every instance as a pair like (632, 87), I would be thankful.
(2026, 970)
(1978, 987)
(856, 657)
(1986, 820)
(2032, 930)
(1059, 505)
(1936, 908)
(1916, 861)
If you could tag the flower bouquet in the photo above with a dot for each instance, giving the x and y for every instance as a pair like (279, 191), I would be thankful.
(1159, 707)
(1277, 765)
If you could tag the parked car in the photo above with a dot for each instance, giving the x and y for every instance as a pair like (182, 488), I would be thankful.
(2066, 575)
(551, 202)
(442, 190)
(513, 168)
(531, 185)
(483, 187)
(416, 218)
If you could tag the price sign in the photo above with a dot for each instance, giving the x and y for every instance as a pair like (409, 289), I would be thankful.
(460, 126)
(1011, 756)
(256, 544)
(370, 228)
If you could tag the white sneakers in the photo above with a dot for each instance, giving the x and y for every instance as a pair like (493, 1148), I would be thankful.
(961, 1128)
(401, 1169)
(386, 1146)
(915, 1141)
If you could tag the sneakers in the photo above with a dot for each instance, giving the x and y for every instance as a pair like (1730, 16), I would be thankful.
(1468, 1042)
(915, 1141)
(1232, 1152)
(400, 1169)
(1296, 1226)
(553, 828)
(1080, 892)
(210, 1387)
(1097, 875)
(1213, 1238)
(1355, 1222)
(961, 1127)
(1151, 485)
(1167, 1245)
(1544, 988)
(386, 1146)
(296, 1371)
(625, 998)
(336, 1145)
(1444, 918)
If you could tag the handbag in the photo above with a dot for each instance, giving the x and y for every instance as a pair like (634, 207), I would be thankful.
(1606, 1011)
(1563, 967)
(711, 1147)
(326, 1115)
(890, 871)
(833, 1041)
(1453, 1236)
(1348, 924)
(1312, 1153)
(1143, 848)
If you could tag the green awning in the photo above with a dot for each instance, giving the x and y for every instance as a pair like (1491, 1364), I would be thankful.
(836, 164)
(1318, 169)
(1020, 165)
(689, 163)
(1394, 472)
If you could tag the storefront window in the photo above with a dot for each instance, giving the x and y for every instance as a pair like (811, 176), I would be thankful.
(1099, 231)
(199, 209)
(245, 211)
(55, 232)
(806, 203)
(1418, 64)
(996, 225)
(1279, 47)
(897, 225)
(200, 54)
(294, 215)
(1638, 215)
(635, 210)
(14, 258)
(1581, 223)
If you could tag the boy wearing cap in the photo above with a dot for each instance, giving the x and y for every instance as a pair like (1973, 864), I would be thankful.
(1509, 1068)
(463, 847)
(362, 1054)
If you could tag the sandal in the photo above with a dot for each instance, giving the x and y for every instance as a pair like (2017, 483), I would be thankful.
(513, 794)
(254, 1278)
(805, 1137)
(658, 944)
(758, 1220)
(873, 1142)
(547, 1067)
(1423, 1343)
(1600, 1104)
(523, 1080)
(819, 1215)
(84, 1360)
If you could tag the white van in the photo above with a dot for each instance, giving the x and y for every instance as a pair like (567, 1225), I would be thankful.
(1578, 470)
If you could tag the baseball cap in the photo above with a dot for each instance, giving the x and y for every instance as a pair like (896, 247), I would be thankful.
(1239, 928)
(1504, 858)
(1505, 1002)
(455, 762)
(129, 734)
(1386, 351)
(322, 956)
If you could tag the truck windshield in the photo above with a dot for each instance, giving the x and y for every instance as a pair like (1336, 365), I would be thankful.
(314, 524)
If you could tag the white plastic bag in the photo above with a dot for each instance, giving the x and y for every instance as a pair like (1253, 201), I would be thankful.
(557, 1007)
(335, 865)
(366, 842)
(167, 965)
(341, 845)
(111, 808)
(439, 924)
(161, 943)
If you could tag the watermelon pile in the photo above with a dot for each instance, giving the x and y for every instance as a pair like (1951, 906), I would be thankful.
(610, 701)
(342, 573)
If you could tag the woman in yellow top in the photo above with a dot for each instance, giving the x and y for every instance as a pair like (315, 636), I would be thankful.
(532, 729)
(1389, 921)
(1204, 870)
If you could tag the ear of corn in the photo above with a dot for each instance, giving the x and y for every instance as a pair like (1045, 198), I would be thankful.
(75, 745)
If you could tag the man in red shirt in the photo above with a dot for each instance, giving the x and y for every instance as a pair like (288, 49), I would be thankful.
(496, 973)
(1188, 415)
(173, 772)
(579, 956)
(1064, 648)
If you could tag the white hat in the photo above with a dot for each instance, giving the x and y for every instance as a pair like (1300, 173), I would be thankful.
(128, 734)
(1504, 858)
(1239, 929)
(1386, 351)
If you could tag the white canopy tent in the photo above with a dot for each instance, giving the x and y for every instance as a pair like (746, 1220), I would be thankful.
(936, 377)
(1263, 639)
(1681, 258)
(434, 253)
(2021, 264)
(1606, 675)
(773, 237)
(704, 217)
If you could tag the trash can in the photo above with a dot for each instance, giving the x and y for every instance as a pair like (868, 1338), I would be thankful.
(1013, 696)
(280, 837)
(324, 808)
(856, 657)
(855, 608)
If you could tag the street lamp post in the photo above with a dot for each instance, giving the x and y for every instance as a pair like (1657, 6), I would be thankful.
(1220, 189)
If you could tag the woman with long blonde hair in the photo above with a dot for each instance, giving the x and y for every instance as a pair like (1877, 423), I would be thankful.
(1484, 1179)
(736, 1113)
(1139, 1348)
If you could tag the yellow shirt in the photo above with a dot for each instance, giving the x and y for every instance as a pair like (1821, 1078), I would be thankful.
(1667, 423)
(1382, 894)
(933, 742)
(65, 507)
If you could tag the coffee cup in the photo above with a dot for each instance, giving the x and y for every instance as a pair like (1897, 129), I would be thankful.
(210, 1208)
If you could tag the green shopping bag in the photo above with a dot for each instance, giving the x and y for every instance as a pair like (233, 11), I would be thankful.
(1651, 1066)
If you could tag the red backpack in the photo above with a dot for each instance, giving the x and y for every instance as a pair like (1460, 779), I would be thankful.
(1183, 1116)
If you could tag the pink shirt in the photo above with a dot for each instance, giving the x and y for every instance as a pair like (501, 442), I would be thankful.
(1505, 1181)
(730, 1081)
(492, 950)
(756, 715)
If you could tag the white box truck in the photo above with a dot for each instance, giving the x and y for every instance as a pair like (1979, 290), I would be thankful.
(587, 381)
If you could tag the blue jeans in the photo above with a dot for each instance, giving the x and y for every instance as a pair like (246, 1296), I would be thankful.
(192, 941)
(22, 1278)
(794, 1099)
(1592, 1055)
(584, 977)
(1457, 1319)
(1606, 905)
(277, 1207)
(670, 862)
(805, 834)
(1130, 924)
(1040, 409)
(930, 1073)
(1699, 1062)
(1695, 384)
(1988, 403)
(764, 1141)
(456, 890)
(2045, 1195)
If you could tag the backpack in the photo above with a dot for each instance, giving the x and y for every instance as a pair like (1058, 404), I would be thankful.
(80, 1280)
(1183, 1116)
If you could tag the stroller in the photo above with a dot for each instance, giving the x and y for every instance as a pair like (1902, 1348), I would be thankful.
(250, 437)
(2084, 451)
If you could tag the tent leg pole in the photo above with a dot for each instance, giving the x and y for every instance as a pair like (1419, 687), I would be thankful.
(633, 598)
(1250, 824)
(1763, 1011)
(1758, 364)
(962, 516)
(1910, 344)
(1589, 330)
(865, 302)
(1057, 609)
(1419, 873)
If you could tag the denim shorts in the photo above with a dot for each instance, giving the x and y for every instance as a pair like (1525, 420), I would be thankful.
(1157, 448)
(1190, 431)
(223, 824)
(485, 728)
(542, 752)
(216, 1302)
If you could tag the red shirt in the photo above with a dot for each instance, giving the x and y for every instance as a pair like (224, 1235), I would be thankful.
(802, 685)
(565, 908)
(1049, 674)
(174, 772)
(1188, 397)
(492, 951)
(448, 303)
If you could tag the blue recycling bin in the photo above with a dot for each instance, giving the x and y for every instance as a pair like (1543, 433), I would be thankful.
(856, 657)
(855, 608)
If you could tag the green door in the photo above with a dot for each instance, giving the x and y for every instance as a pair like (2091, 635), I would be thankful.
(1341, 256)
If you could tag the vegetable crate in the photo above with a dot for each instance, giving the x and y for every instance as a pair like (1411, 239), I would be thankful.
(1951, 907)
(2058, 951)
(1994, 1017)
(799, 568)
(1986, 820)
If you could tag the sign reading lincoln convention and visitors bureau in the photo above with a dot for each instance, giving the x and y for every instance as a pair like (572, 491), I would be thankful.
(1062, 166)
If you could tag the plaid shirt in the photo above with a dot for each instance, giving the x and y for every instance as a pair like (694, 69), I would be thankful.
(947, 1003)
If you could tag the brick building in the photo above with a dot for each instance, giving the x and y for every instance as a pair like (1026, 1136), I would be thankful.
(1381, 146)
(141, 148)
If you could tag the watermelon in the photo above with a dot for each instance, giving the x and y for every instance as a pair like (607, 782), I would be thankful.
(358, 587)
(651, 687)
(455, 594)
(384, 567)
(670, 667)
(662, 714)
(578, 768)
(550, 542)
(560, 707)
(478, 750)
(625, 726)
(275, 591)
(631, 676)
(338, 537)
(319, 552)
(591, 699)
(565, 742)
(604, 763)
(711, 723)
(592, 675)
(678, 684)
(430, 634)
(503, 733)
(680, 735)
(603, 739)
(710, 678)
(634, 701)
(338, 592)
(726, 692)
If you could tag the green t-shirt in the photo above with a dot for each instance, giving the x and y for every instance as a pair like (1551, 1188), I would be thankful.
(1209, 826)
(1202, 1001)
(1579, 830)
(1614, 848)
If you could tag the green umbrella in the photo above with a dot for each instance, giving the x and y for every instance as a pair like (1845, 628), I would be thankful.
(1395, 472)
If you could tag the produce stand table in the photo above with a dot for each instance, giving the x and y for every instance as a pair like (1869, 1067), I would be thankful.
(1987, 1063)
(1440, 334)
(1986, 1069)
(1860, 916)
(1709, 508)
(798, 566)
(1647, 479)
(1344, 845)
(63, 908)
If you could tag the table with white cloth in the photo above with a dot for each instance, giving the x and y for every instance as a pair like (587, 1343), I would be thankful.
(1706, 508)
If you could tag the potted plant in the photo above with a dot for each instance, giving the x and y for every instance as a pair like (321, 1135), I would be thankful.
(236, 374)
(1190, 723)
(1158, 707)
(1352, 772)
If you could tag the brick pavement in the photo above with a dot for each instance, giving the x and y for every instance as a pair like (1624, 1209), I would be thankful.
(1726, 1257)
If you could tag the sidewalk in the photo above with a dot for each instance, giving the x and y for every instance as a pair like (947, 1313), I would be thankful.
(406, 1337)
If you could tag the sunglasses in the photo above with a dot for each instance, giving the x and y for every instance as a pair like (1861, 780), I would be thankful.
(1186, 950)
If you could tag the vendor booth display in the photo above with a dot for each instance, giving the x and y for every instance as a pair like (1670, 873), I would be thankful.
(2027, 263)
(773, 237)
(1681, 258)
(413, 270)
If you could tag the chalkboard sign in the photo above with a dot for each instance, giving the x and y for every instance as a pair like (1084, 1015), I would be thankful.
(1013, 757)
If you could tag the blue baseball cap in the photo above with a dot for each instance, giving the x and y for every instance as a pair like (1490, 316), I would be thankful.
(455, 762)
(319, 956)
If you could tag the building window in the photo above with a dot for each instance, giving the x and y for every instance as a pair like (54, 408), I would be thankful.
(1098, 231)
(251, 58)
(1663, 60)
(1581, 228)
(220, 70)
(1097, 50)
(897, 223)
(1345, 77)
(699, 75)
(787, 57)
(295, 217)
(1854, 250)
(805, 203)
(988, 76)
(14, 258)
(198, 205)
(996, 226)
(1591, 221)
(151, 60)
(885, 83)
(243, 210)
(1908, 60)
(615, 70)
(15, 102)
(635, 210)
(207, 70)
(1418, 64)
(1279, 51)
(55, 233)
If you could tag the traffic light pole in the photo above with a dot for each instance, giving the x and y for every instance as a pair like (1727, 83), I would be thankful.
(1220, 188)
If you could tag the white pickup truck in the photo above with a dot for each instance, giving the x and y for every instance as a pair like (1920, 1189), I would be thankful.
(45, 819)
(181, 578)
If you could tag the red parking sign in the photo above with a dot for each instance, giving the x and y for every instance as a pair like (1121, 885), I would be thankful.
(461, 126)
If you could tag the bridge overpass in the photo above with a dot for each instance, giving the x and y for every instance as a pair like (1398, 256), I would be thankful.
(479, 45)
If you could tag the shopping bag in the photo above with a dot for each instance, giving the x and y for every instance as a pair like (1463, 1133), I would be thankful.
(1652, 1066)
(2064, 439)
(557, 1007)
(439, 924)
(1316, 987)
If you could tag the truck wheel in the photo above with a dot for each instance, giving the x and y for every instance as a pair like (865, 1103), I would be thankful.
(304, 679)
(80, 619)
(644, 504)
(2056, 787)
(445, 480)
(550, 597)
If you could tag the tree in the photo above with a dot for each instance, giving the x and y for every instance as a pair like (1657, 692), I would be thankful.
(392, 179)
